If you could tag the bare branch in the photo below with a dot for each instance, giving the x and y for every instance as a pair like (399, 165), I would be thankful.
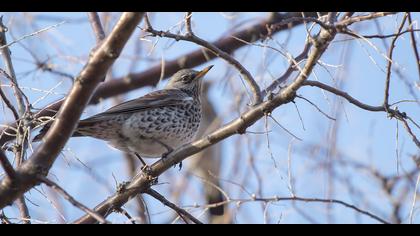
(9, 104)
(5, 52)
(393, 112)
(388, 71)
(413, 42)
(95, 21)
(8, 168)
(303, 199)
(71, 199)
(55, 139)
(351, 20)
(181, 212)
(191, 37)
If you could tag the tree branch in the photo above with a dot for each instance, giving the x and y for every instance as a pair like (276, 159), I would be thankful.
(95, 21)
(71, 199)
(389, 65)
(7, 166)
(45, 155)
(191, 37)
(181, 212)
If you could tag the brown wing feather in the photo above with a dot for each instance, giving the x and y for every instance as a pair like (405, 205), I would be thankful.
(155, 99)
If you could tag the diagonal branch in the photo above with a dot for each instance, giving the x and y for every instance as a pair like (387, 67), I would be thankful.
(181, 212)
(44, 156)
(191, 37)
(7, 166)
(71, 199)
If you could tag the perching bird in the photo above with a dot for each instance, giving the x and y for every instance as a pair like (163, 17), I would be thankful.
(152, 125)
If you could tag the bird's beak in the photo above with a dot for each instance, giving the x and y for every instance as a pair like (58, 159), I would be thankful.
(203, 72)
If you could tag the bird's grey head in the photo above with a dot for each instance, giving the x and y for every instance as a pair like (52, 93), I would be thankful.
(188, 80)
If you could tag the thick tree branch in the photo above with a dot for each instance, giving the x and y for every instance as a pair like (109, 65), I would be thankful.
(45, 155)
(7, 166)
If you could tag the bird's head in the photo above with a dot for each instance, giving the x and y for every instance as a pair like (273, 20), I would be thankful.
(188, 80)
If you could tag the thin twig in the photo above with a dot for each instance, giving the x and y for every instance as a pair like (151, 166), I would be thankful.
(73, 201)
(32, 34)
(4, 219)
(413, 42)
(389, 65)
(319, 109)
(5, 52)
(188, 16)
(287, 131)
(181, 212)
(124, 212)
(292, 67)
(9, 104)
(393, 112)
(22, 109)
(413, 205)
(410, 132)
(300, 199)
(95, 21)
(191, 37)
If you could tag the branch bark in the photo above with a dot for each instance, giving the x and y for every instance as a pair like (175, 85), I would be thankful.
(44, 156)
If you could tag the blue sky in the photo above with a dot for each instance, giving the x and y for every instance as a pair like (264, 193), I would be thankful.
(363, 136)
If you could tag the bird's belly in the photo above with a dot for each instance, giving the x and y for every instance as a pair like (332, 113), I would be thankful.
(152, 149)
(153, 133)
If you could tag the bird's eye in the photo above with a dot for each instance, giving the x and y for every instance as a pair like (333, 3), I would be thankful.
(185, 78)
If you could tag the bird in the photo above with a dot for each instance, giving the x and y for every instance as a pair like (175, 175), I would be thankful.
(153, 125)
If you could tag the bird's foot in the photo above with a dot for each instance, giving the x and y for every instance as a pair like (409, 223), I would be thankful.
(179, 165)
(140, 159)
(165, 154)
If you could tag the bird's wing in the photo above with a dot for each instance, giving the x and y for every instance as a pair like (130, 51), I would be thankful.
(155, 99)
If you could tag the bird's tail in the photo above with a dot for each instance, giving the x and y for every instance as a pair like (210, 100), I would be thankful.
(45, 129)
